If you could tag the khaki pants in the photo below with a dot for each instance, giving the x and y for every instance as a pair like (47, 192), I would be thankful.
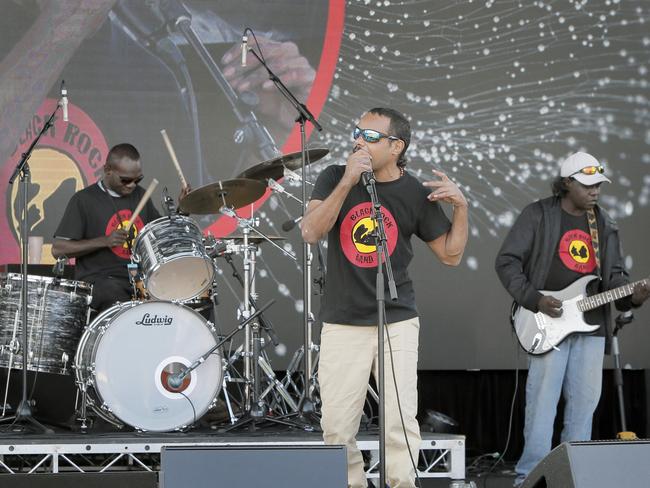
(348, 355)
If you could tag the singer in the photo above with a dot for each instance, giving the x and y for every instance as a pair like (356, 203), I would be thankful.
(340, 208)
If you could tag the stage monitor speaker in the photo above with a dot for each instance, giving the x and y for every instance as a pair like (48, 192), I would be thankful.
(285, 466)
(594, 464)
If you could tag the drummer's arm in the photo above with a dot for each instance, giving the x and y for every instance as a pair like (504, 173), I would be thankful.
(71, 248)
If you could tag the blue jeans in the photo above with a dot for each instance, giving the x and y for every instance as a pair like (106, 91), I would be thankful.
(576, 371)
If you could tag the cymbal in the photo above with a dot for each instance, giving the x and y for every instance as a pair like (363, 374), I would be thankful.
(274, 168)
(235, 193)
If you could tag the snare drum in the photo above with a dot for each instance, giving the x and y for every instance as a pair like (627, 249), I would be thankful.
(172, 258)
(126, 355)
(57, 312)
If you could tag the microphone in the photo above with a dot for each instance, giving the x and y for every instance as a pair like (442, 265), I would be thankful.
(244, 49)
(64, 101)
(290, 224)
(367, 177)
(176, 380)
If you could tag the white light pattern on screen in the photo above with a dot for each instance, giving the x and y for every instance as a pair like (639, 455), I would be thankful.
(498, 93)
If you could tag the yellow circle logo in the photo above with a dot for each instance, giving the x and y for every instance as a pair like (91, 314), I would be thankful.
(579, 251)
(362, 236)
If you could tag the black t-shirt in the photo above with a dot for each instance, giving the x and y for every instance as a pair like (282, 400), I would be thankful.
(92, 213)
(574, 258)
(350, 296)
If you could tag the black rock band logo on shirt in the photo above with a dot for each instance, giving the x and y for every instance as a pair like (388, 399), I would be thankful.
(357, 235)
(576, 252)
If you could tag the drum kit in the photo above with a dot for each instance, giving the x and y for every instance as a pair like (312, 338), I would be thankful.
(156, 363)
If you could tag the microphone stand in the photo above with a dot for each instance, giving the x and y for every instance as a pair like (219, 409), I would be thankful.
(621, 320)
(24, 410)
(306, 403)
(176, 380)
(382, 255)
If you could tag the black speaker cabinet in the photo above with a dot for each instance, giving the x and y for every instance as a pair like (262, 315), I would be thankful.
(285, 466)
(595, 464)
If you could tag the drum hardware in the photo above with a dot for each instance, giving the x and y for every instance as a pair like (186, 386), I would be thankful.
(255, 406)
(278, 188)
(310, 382)
(248, 225)
(293, 176)
(227, 379)
(277, 404)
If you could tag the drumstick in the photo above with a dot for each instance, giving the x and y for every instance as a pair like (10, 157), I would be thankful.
(143, 200)
(172, 154)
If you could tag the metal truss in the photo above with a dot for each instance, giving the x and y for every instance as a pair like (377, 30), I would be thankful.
(441, 456)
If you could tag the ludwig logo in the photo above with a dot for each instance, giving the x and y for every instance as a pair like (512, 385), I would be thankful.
(155, 320)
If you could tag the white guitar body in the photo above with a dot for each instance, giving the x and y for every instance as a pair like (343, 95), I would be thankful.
(538, 333)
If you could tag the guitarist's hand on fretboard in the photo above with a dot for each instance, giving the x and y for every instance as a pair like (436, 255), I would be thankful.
(641, 293)
(550, 306)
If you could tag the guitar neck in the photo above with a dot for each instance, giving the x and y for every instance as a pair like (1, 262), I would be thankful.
(608, 296)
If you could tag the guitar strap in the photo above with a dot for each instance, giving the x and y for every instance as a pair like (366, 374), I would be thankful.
(593, 230)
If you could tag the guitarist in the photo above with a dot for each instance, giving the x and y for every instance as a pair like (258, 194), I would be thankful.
(550, 245)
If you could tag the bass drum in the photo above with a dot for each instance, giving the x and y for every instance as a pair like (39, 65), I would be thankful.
(126, 355)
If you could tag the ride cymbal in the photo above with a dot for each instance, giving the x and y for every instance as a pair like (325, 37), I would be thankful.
(274, 168)
(235, 193)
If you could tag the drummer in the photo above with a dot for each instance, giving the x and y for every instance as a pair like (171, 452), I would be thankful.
(92, 229)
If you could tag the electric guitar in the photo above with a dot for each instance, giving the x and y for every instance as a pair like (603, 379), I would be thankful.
(538, 333)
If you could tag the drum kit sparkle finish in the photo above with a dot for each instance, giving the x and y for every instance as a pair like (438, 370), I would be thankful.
(124, 358)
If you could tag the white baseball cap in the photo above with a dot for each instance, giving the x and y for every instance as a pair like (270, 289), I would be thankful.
(574, 165)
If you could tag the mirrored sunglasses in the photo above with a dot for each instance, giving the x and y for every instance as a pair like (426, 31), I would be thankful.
(590, 170)
(370, 135)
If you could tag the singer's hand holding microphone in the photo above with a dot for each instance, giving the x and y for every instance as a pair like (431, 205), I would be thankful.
(359, 162)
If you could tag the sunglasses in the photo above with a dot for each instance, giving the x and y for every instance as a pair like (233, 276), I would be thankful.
(370, 135)
(590, 170)
(128, 181)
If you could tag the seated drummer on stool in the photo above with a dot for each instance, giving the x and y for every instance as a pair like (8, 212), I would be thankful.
(92, 229)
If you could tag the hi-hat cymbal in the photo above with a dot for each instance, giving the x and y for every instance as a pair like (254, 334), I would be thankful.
(235, 193)
(274, 168)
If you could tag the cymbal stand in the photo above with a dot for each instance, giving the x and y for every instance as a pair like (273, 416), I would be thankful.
(254, 404)
(310, 382)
